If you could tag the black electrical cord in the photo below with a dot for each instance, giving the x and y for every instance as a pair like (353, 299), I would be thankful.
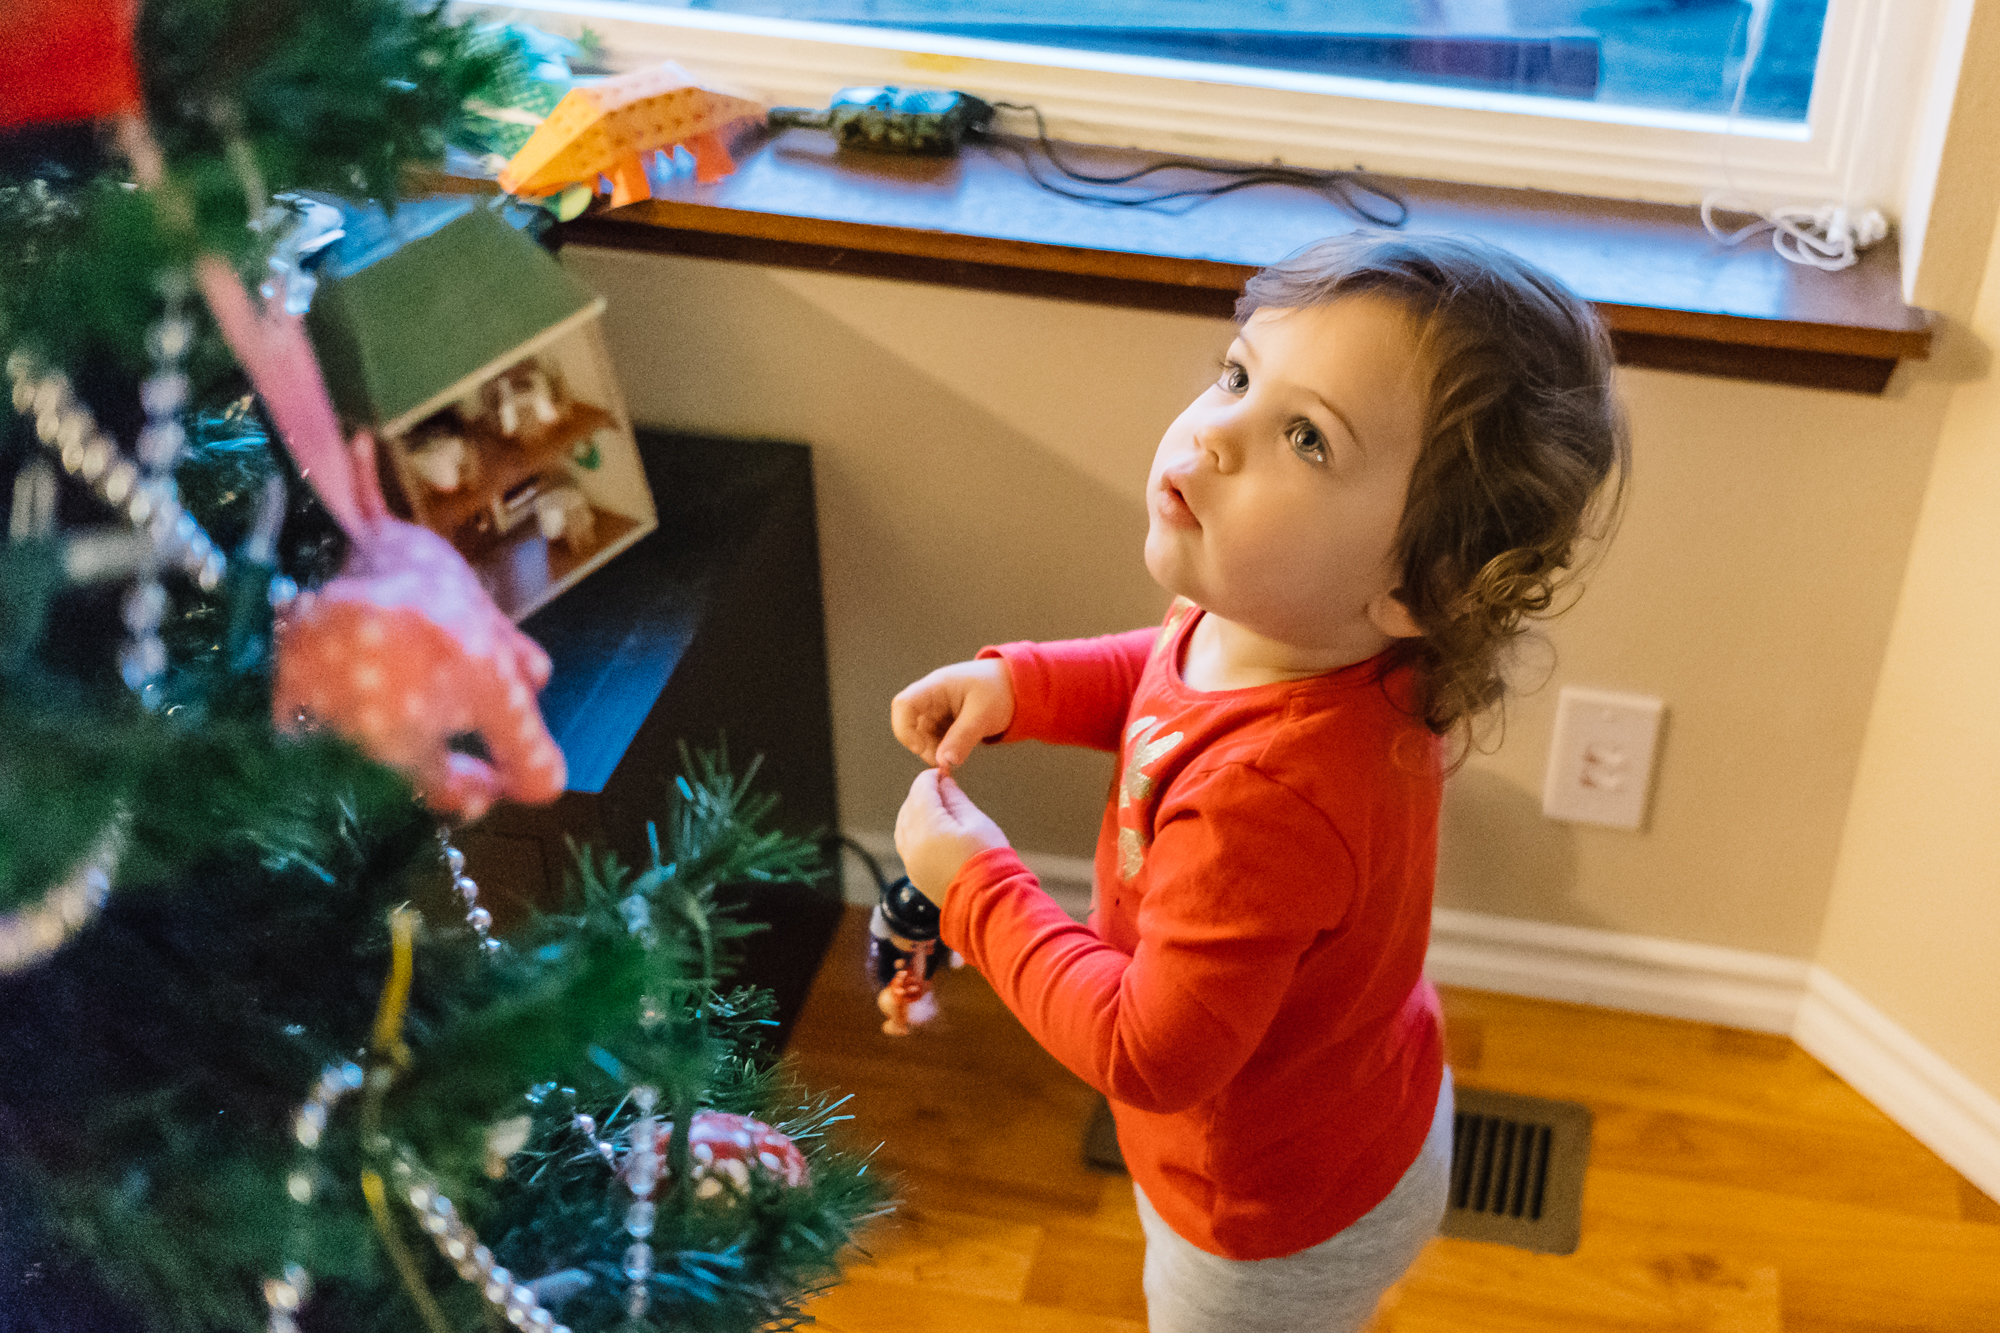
(832, 844)
(910, 915)
(1351, 190)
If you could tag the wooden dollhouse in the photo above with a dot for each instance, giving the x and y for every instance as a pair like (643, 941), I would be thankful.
(480, 364)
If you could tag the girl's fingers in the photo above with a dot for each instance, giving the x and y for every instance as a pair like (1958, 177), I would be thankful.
(918, 814)
(922, 806)
(968, 731)
(918, 722)
(967, 818)
(956, 745)
(937, 830)
(952, 799)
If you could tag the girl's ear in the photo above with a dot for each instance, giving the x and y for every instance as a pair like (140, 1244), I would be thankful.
(1388, 614)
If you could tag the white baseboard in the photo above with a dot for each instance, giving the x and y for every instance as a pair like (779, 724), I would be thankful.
(1946, 1111)
(1910, 1083)
(1617, 971)
(1906, 1080)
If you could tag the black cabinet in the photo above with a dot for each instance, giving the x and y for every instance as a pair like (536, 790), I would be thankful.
(708, 631)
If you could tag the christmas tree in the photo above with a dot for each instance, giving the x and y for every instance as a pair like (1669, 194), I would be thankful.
(263, 1063)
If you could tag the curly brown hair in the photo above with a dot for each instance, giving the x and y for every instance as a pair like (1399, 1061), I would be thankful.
(1524, 453)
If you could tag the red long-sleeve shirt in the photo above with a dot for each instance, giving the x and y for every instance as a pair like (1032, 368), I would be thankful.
(1249, 989)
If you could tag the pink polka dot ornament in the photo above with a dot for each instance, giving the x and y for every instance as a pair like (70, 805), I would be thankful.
(404, 650)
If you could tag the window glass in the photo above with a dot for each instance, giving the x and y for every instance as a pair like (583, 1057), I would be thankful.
(1670, 55)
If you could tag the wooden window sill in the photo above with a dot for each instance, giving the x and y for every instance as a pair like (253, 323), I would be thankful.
(1673, 298)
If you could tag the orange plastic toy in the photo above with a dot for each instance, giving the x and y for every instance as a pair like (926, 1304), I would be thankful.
(608, 128)
(907, 1002)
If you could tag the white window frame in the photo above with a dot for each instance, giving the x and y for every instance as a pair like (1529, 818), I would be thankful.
(1887, 70)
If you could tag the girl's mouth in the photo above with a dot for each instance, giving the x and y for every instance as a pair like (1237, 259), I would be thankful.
(1173, 508)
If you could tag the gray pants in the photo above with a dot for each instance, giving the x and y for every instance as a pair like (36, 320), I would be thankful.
(1331, 1287)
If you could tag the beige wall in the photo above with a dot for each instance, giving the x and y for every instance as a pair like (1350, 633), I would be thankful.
(1914, 920)
(1751, 587)
(980, 462)
(981, 459)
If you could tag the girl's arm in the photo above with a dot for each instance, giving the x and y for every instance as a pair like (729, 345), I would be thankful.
(1166, 1026)
(1073, 691)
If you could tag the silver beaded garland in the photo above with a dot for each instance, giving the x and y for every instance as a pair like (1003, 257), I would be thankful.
(285, 1295)
(34, 510)
(476, 916)
(457, 1242)
(163, 394)
(641, 1173)
(68, 429)
(143, 492)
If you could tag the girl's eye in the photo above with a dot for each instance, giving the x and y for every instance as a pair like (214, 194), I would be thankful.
(1234, 377)
(1307, 442)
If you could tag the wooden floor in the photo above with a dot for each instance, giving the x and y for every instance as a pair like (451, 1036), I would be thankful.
(1734, 1184)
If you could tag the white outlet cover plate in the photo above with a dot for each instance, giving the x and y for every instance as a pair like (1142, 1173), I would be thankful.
(1601, 757)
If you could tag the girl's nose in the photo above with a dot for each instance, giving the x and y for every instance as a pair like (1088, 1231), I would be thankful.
(1220, 437)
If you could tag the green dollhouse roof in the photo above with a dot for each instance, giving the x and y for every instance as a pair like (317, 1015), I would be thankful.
(414, 310)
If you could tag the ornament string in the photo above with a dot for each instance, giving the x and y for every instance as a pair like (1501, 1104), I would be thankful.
(395, 1001)
(271, 345)
(377, 1194)
(388, 1057)
(515, 1301)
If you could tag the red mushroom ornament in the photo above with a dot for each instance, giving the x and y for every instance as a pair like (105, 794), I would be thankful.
(725, 1151)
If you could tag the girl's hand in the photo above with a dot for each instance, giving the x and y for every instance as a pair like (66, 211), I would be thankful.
(945, 715)
(938, 830)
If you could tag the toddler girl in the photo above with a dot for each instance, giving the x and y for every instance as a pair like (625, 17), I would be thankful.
(1407, 441)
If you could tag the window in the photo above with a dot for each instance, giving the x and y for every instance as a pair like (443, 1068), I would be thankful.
(1673, 55)
(1828, 112)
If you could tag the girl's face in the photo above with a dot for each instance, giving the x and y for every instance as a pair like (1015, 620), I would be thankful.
(1275, 497)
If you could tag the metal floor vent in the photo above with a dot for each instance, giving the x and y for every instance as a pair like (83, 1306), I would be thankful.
(1517, 1171)
(1516, 1168)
